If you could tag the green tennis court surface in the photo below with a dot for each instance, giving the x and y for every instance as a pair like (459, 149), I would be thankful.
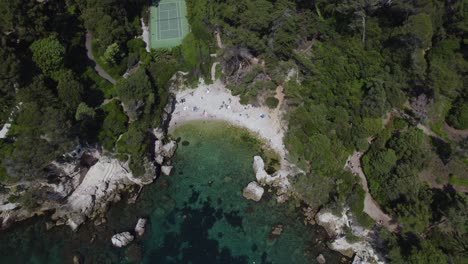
(168, 24)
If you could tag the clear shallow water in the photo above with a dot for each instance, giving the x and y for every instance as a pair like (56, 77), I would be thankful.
(196, 215)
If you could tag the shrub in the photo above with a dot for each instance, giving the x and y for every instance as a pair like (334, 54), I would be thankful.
(272, 102)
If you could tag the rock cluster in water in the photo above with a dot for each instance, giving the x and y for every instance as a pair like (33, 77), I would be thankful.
(279, 180)
(336, 227)
(140, 226)
(253, 191)
(81, 192)
(163, 152)
(122, 239)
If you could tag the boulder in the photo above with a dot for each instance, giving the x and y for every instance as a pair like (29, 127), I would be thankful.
(321, 259)
(169, 149)
(158, 144)
(166, 170)
(277, 230)
(159, 159)
(77, 259)
(158, 133)
(8, 206)
(75, 221)
(253, 191)
(140, 226)
(258, 164)
(122, 239)
(262, 177)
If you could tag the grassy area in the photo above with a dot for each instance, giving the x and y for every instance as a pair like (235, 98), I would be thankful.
(457, 181)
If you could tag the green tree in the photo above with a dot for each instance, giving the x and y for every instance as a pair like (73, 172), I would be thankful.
(48, 54)
(9, 76)
(84, 112)
(110, 54)
(136, 93)
(115, 124)
(69, 90)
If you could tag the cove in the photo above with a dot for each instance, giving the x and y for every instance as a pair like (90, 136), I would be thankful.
(196, 215)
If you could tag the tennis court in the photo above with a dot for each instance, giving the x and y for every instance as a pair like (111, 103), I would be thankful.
(168, 23)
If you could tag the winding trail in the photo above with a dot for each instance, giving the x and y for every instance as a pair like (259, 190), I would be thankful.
(371, 207)
(96, 66)
(455, 134)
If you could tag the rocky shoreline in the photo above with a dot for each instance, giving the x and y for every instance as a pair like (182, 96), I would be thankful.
(88, 180)
(361, 251)
(93, 180)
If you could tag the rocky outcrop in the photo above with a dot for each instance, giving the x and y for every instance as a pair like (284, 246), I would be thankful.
(159, 133)
(122, 239)
(169, 149)
(166, 170)
(336, 227)
(253, 191)
(100, 186)
(279, 179)
(140, 226)
(159, 159)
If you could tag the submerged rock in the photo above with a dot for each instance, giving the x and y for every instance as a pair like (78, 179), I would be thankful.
(122, 239)
(277, 230)
(253, 191)
(321, 259)
(166, 170)
(140, 226)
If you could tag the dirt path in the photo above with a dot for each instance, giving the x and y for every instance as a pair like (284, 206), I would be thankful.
(96, 66)
(455, 134)
(371, 207)
(218, 40)
(213, 71)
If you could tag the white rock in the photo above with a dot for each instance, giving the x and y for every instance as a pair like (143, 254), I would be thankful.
(321, 259)
(98, 188)
(75, 222)
(140, 226)
(169, 149)
(253, 191)
(258, 164)
(158, 146)
(122, 239)
(4, 131)
(159, 133)
(159, 159)
(166, 170)
(262, 176)
(8, 206)
(336, 226)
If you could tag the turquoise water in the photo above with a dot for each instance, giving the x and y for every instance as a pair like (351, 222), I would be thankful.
(196, 215)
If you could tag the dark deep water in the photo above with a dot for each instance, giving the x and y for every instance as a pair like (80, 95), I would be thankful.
(196, 215)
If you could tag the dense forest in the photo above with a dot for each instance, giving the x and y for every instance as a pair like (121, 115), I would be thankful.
(357, 75)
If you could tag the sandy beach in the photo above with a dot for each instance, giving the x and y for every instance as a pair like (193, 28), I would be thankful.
(215, 102)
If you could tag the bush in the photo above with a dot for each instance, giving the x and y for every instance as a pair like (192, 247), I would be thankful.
(29, 200)
(272, 102)
(135, 45)
(458, 116)
(113, 126)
